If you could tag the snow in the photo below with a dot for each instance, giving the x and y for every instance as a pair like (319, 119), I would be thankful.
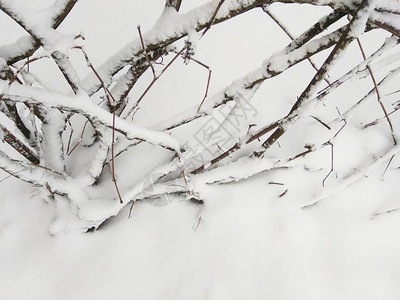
(247, 245)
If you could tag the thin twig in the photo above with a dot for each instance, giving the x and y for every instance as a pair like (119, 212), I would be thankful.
(276, 183)
(133, 109)
(26, 63)
(112, 103)
(79, 141)
(130, 209)
(331, 170)
(286, 31)
(10, 175)
(213, 17)
(114, 179)
(322, 123)
(341, 128)
(145, 52)
(378, 96)
(387, 166)
(283, 194)
(208, 81)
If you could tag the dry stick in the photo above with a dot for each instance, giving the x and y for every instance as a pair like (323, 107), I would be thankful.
(393, 30)
(46, 168)
(283, 194)
(310, 148)
(114, 179)
(392, 93)
(27, 63)
(379, 214)
(130, 209)
(112, 103)
(291, 37)
(322, 123)
(387, 166)
(145, 52)
(70, 136)
(78, 142)
(276, 183)
(331, 170)
(213, 17)
(332, 148)
(154, 81)
(10, 175)
(341, 128)
(378, 96)
(208, 80)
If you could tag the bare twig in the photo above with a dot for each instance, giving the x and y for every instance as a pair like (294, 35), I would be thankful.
(135, 106)
(387, 166)
(145, 52)
(286, 31)
(69, 152)
(213, 17)
(111, 102)
(283, 194)
(322, 123)
(130, 209)
(378, 96)
(331, 169)
(208, 81)
(341, 128)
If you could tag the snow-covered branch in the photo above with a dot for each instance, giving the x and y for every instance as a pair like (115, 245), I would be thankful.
(26, 46)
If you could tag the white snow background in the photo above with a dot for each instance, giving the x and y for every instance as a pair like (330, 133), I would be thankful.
(252, 239)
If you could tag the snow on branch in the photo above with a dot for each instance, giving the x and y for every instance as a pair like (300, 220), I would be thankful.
(70, 142)
(169, 28)
(27, 45)
(81, 104)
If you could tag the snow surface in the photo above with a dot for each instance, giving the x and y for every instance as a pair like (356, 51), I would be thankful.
(250, 244)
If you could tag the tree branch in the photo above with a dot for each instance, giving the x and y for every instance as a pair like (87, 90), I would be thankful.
(173, 3)
(27, 49)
